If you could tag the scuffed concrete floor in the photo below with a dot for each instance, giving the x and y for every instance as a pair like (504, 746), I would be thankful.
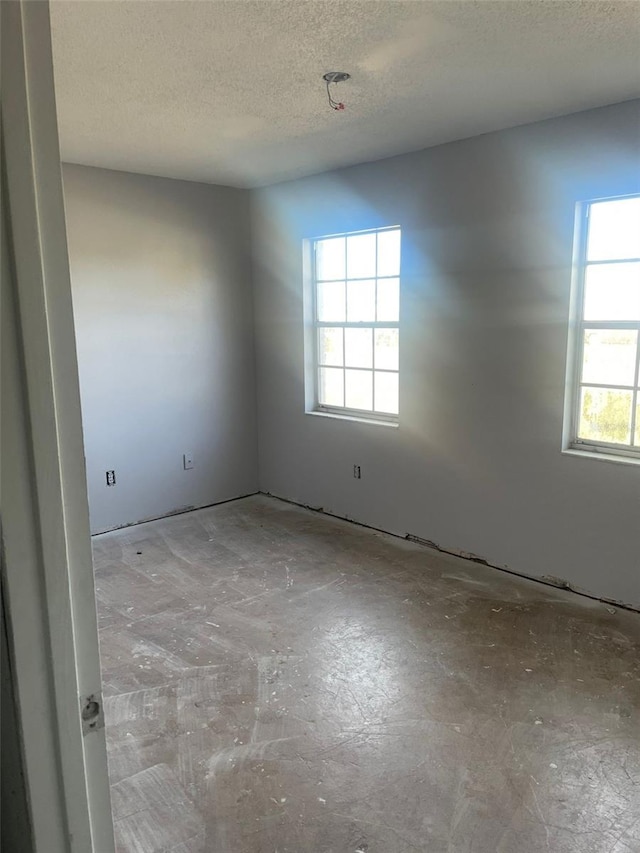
(277, 680)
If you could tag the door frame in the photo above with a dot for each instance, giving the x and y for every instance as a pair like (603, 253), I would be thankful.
(47, 572)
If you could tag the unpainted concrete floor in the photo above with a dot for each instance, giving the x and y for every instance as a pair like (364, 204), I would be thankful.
(277, 680)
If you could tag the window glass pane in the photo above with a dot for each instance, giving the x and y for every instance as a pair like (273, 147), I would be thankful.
(609, 356)
(614, 229)
(330, 347)
(361, 256)
(605, 415)
(636, 440)
(331, 386)
(359, 389)
(330, 258)
(386, 349)
(389, 253)
(388, 300)
(612, 292)
(331, 303)
(358, 347)
(386, 393)
(361, 298)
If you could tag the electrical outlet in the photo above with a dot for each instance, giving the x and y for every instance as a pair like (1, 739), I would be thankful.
(356, 472)
(111, 478)
(187, 461)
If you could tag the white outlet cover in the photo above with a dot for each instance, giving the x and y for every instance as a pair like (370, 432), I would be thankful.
(187, 461)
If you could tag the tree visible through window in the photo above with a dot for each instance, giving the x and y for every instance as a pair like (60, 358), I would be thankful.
(356, 287)
(607, 410)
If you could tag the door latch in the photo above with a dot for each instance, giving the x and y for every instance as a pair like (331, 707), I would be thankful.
(91, 713)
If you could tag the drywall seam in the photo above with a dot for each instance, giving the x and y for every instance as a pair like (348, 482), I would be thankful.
(254, 328)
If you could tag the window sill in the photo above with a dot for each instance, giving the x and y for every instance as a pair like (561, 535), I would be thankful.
(603, 457)
(354, 418)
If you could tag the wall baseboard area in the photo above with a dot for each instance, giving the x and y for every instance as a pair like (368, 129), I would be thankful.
(546, 580)
(179, 511)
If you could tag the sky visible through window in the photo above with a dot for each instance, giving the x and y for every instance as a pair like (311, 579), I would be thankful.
(609, 398)
(357, 304)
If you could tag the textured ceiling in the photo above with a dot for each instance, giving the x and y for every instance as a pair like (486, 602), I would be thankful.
(230, 91)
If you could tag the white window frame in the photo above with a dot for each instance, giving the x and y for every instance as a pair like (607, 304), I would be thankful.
(579, 325)
(316, 324)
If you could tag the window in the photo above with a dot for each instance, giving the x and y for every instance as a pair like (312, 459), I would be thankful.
(606, 406)
(356, 309)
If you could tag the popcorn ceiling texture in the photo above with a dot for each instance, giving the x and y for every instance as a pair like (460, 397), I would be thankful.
(231, 92)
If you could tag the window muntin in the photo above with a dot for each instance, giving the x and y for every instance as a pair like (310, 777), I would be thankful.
(606, 416)
(356, 287)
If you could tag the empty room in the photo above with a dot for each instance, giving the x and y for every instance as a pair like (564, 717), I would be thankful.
(355, 291)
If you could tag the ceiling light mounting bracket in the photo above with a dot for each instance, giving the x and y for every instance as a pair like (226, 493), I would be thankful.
(336, 77)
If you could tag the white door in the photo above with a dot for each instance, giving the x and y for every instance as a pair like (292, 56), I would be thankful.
(47, 568)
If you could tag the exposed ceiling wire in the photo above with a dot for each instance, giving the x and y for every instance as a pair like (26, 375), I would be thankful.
(331, 78)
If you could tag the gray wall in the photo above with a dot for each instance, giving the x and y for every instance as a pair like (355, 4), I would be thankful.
(160, 273)
(476, 464)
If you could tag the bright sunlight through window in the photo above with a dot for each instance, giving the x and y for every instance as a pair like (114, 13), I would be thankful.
(607, 404)
(356, 283)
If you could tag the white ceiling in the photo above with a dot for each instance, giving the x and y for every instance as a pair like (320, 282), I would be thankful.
(230, 91)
